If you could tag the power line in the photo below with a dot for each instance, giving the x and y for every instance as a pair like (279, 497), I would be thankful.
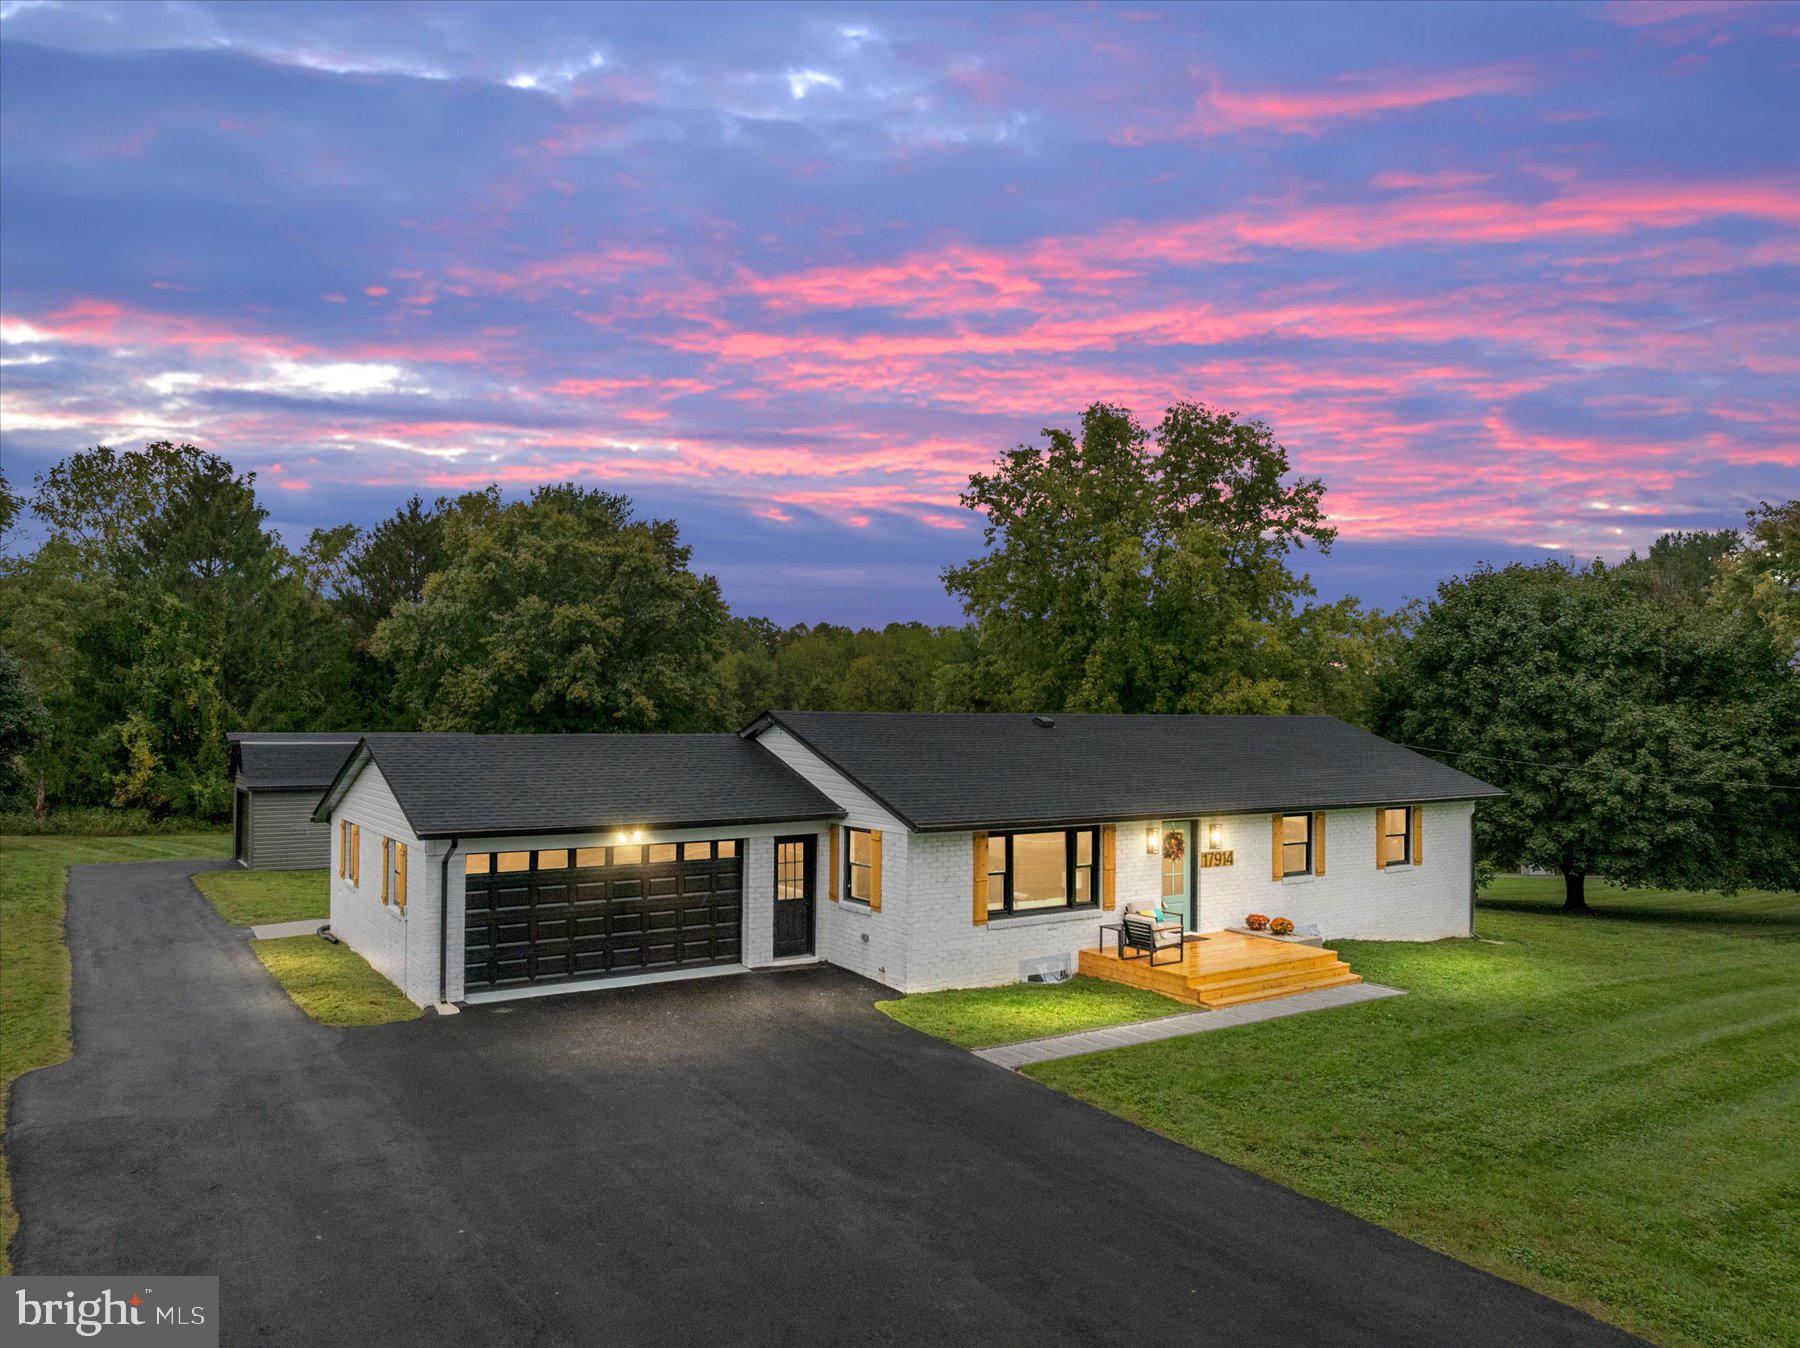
(1571, 767)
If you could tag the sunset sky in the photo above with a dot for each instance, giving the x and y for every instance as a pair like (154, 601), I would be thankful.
(1511, 280)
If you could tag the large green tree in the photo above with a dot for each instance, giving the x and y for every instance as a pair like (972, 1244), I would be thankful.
(561, 613)
(159, 614)
(1648, 743)
(1135, 572)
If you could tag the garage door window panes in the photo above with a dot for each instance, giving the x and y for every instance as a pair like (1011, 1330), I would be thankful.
(559, 914)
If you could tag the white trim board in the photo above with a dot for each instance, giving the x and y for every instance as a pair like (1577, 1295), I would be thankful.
(608, 981)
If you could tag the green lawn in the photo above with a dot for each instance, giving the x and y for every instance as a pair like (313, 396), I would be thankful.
(34, 963)
(248, 898)
(983, 1017)
(332, 983)
(1605, 1108)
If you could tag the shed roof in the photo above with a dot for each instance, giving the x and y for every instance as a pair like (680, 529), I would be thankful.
(949, 771)
(287, 761)
(450, 785)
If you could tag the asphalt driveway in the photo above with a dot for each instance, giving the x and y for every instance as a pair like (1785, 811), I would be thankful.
(733, 1160)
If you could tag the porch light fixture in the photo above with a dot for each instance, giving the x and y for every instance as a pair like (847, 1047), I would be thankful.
(1213, 837)
(1152, 840)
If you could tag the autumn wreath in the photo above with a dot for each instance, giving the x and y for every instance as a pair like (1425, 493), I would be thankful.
(1174, 846)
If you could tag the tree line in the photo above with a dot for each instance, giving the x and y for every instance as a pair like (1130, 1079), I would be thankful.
(1643, 715)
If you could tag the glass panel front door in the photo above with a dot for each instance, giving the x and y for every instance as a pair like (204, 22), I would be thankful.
(1177, 864)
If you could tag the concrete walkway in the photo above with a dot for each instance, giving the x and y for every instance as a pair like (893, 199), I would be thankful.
(1173, 1027)
(274, 931)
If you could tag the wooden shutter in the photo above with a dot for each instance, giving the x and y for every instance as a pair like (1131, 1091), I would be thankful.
(875, 870)
(981, 877)
(1319, 843)
(1380, 839)
(1109, 865)
(837, 865)
(1275, 867)
(1417, 820)
(343, 849)
(356, 855)
(387, 865)
(400, 879)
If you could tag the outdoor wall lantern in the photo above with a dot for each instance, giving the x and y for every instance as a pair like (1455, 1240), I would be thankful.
(1213, 836)
(1153, 840)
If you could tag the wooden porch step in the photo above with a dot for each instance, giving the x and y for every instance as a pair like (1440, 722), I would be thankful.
(1221, 978)
(1341, 977)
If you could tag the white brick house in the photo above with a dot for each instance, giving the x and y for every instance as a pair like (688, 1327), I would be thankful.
(920, 851)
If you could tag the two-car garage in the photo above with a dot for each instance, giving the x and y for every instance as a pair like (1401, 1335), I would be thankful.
(556, 863)
(550, 916)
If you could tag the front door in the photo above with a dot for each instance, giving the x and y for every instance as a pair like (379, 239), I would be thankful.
(1177, 868)
(240, 827)
(794, 871)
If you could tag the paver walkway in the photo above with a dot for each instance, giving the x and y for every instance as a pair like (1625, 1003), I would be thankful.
(1173, 1027)
(274, 931)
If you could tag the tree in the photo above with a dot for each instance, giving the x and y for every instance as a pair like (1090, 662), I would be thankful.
(1759, 581)
(10, 505)
(389, 565)
(561, 613)
(99, 499)
(22, 723)
(1645, 743)
(1680, 566)
(150, 635)
(1137, 575)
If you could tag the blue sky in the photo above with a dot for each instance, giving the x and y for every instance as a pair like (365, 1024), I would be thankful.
(1512, 281)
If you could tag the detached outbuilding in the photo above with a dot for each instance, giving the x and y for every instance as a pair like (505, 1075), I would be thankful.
(277, 779)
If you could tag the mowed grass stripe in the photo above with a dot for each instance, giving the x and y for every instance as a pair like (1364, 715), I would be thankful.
(1607, 1109)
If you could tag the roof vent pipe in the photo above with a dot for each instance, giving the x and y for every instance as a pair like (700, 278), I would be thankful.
(1047, 722)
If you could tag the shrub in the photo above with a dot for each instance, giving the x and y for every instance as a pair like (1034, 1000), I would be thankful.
(92, 822)
(1256, 922)
(1281, 926)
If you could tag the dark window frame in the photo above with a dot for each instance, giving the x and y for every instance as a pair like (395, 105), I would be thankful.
(851, 865)
(1307, 866)
(1405, 835)
(1003, 908)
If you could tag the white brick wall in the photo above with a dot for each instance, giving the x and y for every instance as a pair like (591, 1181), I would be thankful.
(1353, 900)
(401, 946)
(872, 944)
(949, 949)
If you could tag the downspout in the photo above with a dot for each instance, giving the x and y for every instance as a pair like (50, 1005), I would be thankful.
(444, 924)
(1471, 877)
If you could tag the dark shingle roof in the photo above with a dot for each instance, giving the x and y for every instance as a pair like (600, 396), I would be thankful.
(288, 762)
(499, 784)
(942, 771)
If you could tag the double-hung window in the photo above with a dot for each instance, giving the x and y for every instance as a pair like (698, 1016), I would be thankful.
(1043, 872)
(1396, 836)
(393, 873)
(1296, 844)
(859, 865)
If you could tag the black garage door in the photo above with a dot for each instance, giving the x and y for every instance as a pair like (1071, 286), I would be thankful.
(551, 916)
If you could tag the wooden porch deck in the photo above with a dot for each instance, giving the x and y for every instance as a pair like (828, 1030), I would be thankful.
(1225, 968)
